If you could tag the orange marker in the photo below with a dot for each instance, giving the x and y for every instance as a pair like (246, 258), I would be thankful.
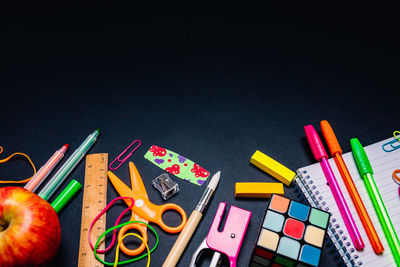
(336, 152)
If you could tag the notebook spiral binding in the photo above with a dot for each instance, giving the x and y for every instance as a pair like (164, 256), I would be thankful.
(340, 241)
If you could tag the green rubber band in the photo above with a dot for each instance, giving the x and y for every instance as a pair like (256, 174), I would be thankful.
(127, 261)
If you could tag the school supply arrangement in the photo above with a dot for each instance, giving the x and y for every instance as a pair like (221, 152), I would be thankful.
(62, 173)
(351, 198)
(320, 155)
(29, 225)
(143, 210)
(384, 158)
(336, 153)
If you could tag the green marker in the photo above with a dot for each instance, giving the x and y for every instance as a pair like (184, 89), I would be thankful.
(66, 195)
(68, 166)
(365, 169)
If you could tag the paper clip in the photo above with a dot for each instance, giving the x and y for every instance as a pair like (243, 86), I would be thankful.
(396, 134)
(392, 145)
(122, 153)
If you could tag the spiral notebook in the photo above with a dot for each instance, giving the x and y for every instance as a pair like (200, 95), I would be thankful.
(385, 158)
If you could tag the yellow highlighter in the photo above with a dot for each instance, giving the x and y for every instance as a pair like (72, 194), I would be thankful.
(258, 190)
(272, 167)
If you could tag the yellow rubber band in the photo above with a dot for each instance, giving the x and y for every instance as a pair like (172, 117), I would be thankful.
(396, 134)
(119, 243)
(8, 158)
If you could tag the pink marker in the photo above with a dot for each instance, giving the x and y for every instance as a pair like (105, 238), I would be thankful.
(320, 155)
(45, 170)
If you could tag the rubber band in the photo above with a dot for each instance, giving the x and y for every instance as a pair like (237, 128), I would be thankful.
(127, 261)
(119, 243)
(395, 177)
(396, 135)
(116, 222)
(8, 158)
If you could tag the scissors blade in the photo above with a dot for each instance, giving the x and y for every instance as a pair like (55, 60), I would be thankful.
(137, 182)
(122, 189)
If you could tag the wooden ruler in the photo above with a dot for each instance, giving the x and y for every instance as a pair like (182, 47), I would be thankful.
(94, 201)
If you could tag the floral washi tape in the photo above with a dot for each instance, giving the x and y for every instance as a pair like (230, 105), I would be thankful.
(177, 165)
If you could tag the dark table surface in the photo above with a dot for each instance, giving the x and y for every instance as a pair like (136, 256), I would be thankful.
(212, 86)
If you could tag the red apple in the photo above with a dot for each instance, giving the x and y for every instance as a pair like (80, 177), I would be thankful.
(29, 229)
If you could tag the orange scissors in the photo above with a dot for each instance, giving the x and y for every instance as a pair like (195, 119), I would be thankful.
(142, 210)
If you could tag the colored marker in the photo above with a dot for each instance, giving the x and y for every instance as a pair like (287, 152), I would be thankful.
(365, 169)
(336, 152)
(320, 155)
(68, 166)
(45, 170)
(66, 195)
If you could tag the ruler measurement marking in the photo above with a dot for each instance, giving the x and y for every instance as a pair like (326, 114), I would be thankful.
(94, 200)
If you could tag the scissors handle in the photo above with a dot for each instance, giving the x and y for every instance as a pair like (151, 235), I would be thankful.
(169, 229)
(143, 232)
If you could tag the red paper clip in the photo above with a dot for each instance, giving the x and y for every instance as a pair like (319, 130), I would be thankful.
(122, 153)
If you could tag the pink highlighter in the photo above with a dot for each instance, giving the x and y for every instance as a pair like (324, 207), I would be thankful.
(320, 155)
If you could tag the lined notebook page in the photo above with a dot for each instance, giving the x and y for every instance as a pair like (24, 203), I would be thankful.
(383, 164)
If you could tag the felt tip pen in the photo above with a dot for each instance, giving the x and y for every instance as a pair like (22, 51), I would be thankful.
(320, 155)
(45, 170)
(68, 166)
(336, 152)
(365, 170)
(66, 195)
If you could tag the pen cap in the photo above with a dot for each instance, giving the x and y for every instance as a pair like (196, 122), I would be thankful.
(360, 157)
(66, 195)
(330, 138)
(315, 143)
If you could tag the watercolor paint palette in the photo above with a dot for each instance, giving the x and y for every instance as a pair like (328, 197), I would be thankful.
(292, 234)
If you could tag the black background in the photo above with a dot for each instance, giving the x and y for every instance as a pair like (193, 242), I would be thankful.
(211, 83)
